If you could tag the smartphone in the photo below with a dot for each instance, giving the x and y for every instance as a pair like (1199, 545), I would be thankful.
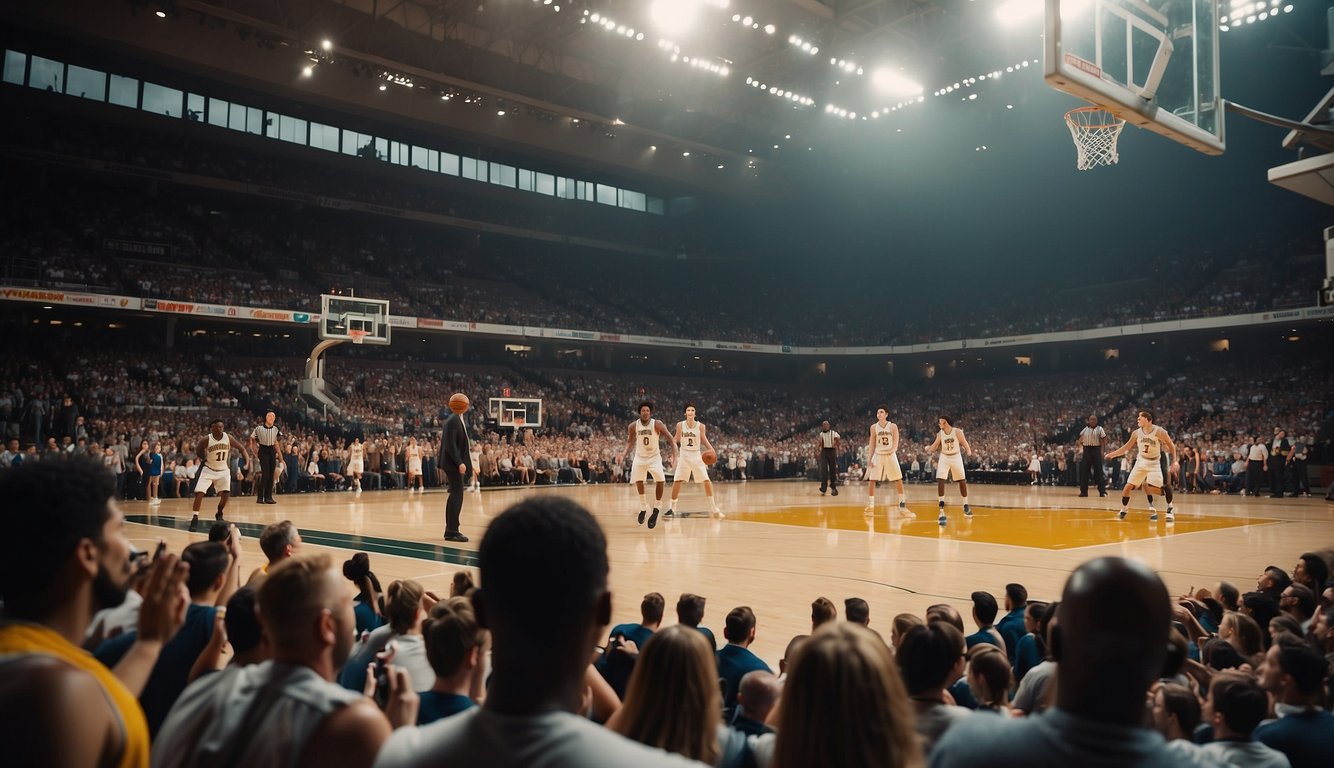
(161, 548)
(382, 676)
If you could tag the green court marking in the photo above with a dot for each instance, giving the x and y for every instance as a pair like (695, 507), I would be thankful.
(416, 549)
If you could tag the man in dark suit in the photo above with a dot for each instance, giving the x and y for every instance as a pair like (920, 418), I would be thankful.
(456, 460)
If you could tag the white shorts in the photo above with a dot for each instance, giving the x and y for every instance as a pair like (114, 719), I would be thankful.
(414, 466)
(691, 465)
(356, 467)
(1146, 472)
(642, 468)
(219, 479)
(884, 467)
(950, 465)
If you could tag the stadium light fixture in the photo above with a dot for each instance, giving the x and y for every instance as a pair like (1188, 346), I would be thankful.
(674, 16)
(894, 83)
(1014, 12)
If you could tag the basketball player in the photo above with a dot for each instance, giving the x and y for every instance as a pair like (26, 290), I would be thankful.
(883, 461)
(413, 454)
(213, 451)
(1147, 473)
(949, 440)
(356, 462)
(643, 438)
(690, 436)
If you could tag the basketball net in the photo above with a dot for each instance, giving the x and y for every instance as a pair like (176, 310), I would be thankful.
(357, 336)
(1094, 130)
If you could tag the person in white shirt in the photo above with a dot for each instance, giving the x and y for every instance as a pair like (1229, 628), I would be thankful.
(1152, 441)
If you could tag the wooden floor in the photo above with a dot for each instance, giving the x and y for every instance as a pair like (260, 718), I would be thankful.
(783, 544)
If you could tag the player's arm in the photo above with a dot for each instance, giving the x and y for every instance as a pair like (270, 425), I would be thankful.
(894, 438)
(676, 436)
(629, 443)
(704, 438)
(1168, 446)
(963, 442)
(201, 451)
(935, 446)
(661, 430)
(870, 447)
(1123, 449)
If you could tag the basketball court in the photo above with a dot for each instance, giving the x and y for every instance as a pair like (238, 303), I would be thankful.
(783, 544)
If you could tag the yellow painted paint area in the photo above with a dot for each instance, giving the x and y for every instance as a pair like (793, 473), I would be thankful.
(1048, 528)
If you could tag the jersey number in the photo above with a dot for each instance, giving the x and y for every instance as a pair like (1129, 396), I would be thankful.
(219, 455)
(646, 441)
(884, 439)
(690, 442)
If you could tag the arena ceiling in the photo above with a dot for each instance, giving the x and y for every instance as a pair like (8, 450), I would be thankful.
(687, 69)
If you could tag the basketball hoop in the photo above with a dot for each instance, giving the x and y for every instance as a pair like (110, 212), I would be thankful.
(1094, 130)
(356, 336)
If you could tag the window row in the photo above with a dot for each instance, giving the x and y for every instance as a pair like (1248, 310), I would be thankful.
(72, 80)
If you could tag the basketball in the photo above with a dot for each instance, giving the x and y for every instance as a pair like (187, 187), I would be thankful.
(709, 457)
(458, 402)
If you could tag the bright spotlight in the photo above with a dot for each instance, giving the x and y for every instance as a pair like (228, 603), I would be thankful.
(1014, 12)
(160, 14)
(894, 83)
(327, 45)
(768, 29)
(674, 17)
(308, 70)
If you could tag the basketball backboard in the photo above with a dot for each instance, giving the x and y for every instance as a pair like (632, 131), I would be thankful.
(354, 319)
(516, 412)
(1153, 63)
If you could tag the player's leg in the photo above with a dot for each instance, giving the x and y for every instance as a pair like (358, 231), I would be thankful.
(1125, 500)
(659, 485)
(963, 491)
(903, 498)
(713, 504)
(222, 502)
(870, 489)
(639, 488)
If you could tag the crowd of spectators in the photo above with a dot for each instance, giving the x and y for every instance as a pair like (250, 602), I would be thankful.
(249, 251)
(298, 666)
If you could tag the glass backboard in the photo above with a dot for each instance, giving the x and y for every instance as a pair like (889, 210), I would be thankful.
(1153, 63)
(354, 319)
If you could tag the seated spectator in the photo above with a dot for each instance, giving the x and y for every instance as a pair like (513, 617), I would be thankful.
(404, 607)
(541, 652)
(931, 659)
(214, 576)
(1293, 673)
(984, 615)
(63, 557)
(244, 633)
(902, 623)
(625, 642)
(287, 711)
(1311, 571)
(672, 701)
(1110, 646)
(461, 584)
(368, 605)
(735, 659)
(454, 647)
(1272, 581)
(1235, 706)
(1011, 625)
(1175, 713)
(690, 611)
(278, 541)
(843, 705)
(1032, 647)
(755, 699)
(989, 679)
(1298, 601)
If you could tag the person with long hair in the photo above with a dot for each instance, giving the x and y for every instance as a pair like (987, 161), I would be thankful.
(405, 605)
(844, 705)
(673, 701)
(368, 605)
(989, 678)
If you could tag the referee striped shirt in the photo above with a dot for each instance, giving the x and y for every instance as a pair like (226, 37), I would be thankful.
(266, 436)
(1091, 437)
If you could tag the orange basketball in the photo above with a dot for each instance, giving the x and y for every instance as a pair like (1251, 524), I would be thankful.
(709, 457)
(458, 402)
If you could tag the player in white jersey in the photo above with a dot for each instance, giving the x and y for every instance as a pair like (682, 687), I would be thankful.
(1152, 441)
(883, 461)
(693, 439)
(643, 440)
(951, 443)
(213, 452)
(356, 462)
(413, 454)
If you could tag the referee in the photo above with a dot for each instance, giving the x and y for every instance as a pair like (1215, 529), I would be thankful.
(828, 446)
(1091, 439)
(266, 435)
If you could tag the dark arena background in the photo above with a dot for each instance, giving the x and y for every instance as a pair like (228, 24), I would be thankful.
(779, 212)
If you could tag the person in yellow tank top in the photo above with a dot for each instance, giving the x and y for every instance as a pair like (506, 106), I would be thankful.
(63, 557)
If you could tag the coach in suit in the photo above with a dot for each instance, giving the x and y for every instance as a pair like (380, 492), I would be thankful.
(456, 460)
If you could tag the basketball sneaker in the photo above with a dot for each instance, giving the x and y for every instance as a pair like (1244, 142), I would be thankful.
(869, 509)
(653, 518)
(1122, 514)
(903, 509)
(194, 523)
(718, 515)
(942, 519)
(1153, 515)
(967, 511)
(669, 514)
(1171, 516)
(642, 512)
(834, 492)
